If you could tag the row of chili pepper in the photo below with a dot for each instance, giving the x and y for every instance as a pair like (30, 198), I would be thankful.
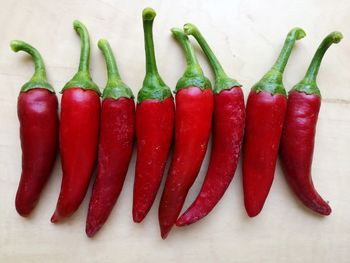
(88, 131)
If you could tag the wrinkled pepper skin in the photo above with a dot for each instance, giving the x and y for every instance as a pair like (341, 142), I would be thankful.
(264, 123)
(37, 113)
(228, 129)
(79, 127)
(115, 150)
(116, 141)
(78, 133)
(193, 116)
(298, 138)
(154, 131)
(297, 148)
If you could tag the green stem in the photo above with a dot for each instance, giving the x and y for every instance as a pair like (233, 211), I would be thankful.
(38, 79)
(308, 83)
(222, 81)
(272, 80)
(148, 16)
(193, 75)
(82, 79)
(115, 87)
(153, 86)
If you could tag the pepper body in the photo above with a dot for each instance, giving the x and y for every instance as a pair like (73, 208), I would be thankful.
(154, 127)
(266, 108)
(154, 130)
(194, 108)
(297, 148)
(228, 129)
(37, 113)
(80, 120)
(264, 123)
(115, 149)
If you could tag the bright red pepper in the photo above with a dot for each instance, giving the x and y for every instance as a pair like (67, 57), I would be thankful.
(228, 128)
(194, 109)
(115, 146)
(37, 113)
(265, 111)
(154, 128)
(297, 144)
(79, 127)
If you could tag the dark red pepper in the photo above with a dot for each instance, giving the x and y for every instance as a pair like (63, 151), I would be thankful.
(37, 113)
(194, 109)
(265, 111)
(297, 144)
(228, 128)
(154, 128)
(115, 146)
(79, 127)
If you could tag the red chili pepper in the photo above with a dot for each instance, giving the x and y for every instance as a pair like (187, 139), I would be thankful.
(37, 113)
(228, 128)
(80, 120)
(194, 109)
(297, 143)
(154, 128)
(116, 143)
(265, 110)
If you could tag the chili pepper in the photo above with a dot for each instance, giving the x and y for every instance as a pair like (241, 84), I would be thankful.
(228, 128)
(194, 109)
(80, 119)
(154, 128)
(37, 114)
(298, 137)
(115, 146)
(265, 111)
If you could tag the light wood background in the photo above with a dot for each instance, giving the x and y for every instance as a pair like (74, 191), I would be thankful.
(246, 36)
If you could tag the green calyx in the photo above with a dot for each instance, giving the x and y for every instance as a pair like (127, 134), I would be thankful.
(272, 80)
(222, 81)
(153, 86)
(115, 87)
(193, 75)
(38, 79)
(308, 84)
(82, 79)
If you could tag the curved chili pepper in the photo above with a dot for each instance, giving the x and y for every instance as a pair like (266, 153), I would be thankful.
(154, 128)
(80, 119)
(228, 129)
(265, 111)
(298, 137)
(115, 146)
(194, 109)
(37, 113)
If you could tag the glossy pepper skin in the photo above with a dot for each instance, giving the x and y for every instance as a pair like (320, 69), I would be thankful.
(154, 128)
(79, 128)
(266, 107)
(115, 145)
(37, 113)
(228, 129)
(298, 138)
(194, 109)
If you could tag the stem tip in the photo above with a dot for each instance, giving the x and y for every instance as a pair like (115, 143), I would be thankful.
(189, 29)
(298, 32)
(16, 45)
(336, 36)
(148, 13)
(101, 43)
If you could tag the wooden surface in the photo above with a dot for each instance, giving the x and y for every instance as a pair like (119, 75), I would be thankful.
(246, 36)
